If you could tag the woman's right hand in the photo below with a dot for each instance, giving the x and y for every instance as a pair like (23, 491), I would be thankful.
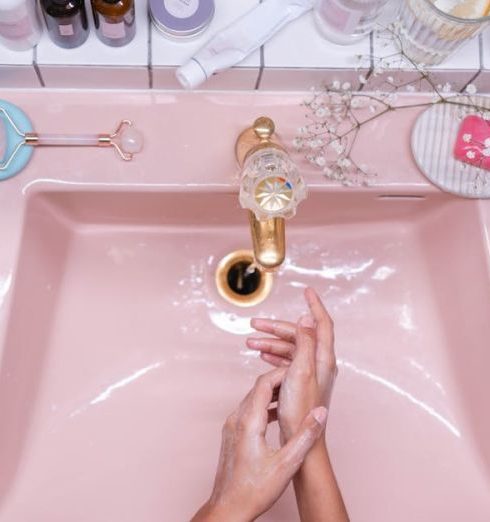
(307, 349)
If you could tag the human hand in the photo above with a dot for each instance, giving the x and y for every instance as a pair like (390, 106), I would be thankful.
(251, 475)
(307, 351)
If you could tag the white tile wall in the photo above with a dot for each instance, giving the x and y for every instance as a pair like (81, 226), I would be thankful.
(295, 59)
(299, 57)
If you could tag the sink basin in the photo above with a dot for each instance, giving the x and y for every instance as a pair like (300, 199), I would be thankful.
(121, 361)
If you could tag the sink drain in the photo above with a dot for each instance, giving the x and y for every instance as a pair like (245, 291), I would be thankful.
(241, 283)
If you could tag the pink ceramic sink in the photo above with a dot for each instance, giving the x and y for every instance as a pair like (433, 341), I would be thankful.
(120, 361)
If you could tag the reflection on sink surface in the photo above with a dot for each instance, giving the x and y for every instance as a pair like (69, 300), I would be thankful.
(122, 361)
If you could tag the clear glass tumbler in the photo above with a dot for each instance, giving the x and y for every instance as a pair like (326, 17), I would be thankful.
(428, 35)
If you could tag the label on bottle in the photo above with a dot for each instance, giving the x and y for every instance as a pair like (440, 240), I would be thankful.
(181, 8)
(66, 29)
(340, 17)
(113, 31)
(15, 31)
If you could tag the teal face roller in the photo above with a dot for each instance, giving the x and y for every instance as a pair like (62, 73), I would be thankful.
(17, 140)
(12, 158)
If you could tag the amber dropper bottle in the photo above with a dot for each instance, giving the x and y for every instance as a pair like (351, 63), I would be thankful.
(66, 21)
(115, 22)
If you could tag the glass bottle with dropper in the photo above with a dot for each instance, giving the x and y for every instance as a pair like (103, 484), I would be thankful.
(66, 21)
(115, 22)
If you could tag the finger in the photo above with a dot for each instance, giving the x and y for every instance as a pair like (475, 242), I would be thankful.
(253, 416)
(272, 346)
(291, 455)
(304, 357)
(275, 360)
(325, 332)
(272, 415)
(282, 329)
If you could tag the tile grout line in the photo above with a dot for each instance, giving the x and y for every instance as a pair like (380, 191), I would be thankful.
(37, 70)
(150, 52)
(480, 49)
(261, 69)
(371, 60)
(262, 64)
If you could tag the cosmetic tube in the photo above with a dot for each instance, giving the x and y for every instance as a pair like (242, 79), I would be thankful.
(235, 42)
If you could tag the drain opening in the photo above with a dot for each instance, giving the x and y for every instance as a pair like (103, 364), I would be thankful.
(240, 282)
(244, 278)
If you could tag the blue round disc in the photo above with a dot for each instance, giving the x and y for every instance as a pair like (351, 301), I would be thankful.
(24, 124)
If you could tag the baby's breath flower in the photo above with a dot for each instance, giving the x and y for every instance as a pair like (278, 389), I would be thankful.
(355, 103)
(322, 112)
(320, 161)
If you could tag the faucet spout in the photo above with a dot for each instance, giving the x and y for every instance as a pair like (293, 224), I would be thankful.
(269, 241)
(270, 188)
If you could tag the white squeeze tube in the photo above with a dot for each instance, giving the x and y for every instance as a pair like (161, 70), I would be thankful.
(235, 42)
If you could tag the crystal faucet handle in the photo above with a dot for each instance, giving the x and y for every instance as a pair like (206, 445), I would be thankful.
(271, 186)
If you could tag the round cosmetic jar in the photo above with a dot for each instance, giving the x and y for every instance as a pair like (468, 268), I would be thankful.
(181, 18)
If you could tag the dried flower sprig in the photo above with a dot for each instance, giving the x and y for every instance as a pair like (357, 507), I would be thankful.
(335, 113)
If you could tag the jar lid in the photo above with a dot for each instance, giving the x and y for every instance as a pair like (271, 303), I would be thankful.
(181, 17)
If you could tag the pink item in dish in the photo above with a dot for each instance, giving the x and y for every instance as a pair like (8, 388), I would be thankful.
(473, 142)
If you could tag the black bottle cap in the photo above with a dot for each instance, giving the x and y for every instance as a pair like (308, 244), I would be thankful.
(62, 7)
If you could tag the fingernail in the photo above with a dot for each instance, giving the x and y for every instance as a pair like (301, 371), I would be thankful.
(254, 342)
(320, 415)
(307, 321)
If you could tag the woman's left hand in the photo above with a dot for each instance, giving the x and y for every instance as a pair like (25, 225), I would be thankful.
(251, 475)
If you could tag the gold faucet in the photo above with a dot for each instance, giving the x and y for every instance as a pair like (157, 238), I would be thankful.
(270, 189)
